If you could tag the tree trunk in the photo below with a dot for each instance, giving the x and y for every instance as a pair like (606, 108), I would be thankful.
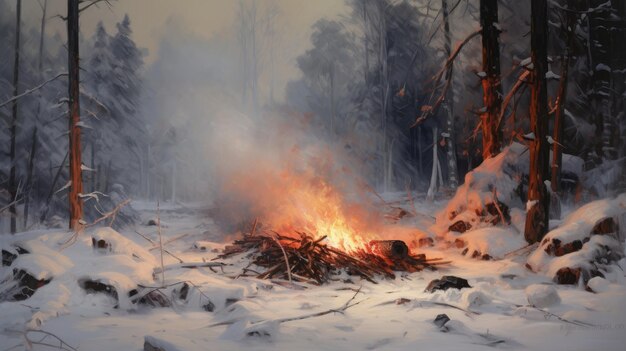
(29, 176)
(366, 43)
(16, 79)
(332, 101)
(46, 207)
(600, 27)
(432, 189)
(33, 149)
(492, 88)
(94, 172)
(557, 152)
(453, 178)
(538, 198)
(384, 91)
(76, 188)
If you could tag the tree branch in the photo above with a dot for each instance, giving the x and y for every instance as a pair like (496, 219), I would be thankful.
(428, 111)
(32, 90)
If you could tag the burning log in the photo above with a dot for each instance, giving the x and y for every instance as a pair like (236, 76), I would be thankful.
(309, 260)
(389, 248)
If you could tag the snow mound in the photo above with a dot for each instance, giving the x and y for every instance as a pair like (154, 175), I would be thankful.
(155, 344)
(598, 284)
(541, 295)
(490, 243)
(586, 242)
(41, 262)
(246, 329)
(110, 239)
(489, 189)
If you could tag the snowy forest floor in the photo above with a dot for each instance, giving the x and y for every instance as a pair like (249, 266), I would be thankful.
(391, 315)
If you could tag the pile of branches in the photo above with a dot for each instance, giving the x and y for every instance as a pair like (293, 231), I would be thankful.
(306, 259)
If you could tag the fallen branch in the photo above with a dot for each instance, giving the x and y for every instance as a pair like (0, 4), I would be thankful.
(340, 310)
(154, 243)
(170, 267)
(111, 214)
(61, 345)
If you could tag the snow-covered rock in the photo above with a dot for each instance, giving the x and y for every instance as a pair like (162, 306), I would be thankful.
(121, 245)
(598, 284)
(587, 239)
(541, 295)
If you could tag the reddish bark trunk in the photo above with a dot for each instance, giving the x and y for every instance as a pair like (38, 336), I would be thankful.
(538, 198)
(76, 204)
(492, 88)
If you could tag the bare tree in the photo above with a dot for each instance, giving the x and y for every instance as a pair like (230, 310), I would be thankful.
(538, 198)
(492, 87)
(16, 74)
(557, 145)
(453, 178)
(76, 185)
(33, 148)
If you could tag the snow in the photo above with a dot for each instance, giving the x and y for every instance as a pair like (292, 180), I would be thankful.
(263, 315)
(552, 75)
(598, 284)
(494, 241)
(541, 295)
(578, 226)
(500, 175)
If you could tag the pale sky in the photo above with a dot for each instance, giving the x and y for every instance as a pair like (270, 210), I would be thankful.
(202, 18)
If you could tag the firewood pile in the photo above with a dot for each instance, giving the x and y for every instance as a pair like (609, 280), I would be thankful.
(306, 259)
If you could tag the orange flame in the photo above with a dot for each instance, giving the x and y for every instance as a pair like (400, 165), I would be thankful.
(295, 200)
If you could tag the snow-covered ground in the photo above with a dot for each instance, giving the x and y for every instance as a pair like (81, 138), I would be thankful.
(263, 315)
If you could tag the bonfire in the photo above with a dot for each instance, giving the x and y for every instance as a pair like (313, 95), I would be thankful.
(304, 258)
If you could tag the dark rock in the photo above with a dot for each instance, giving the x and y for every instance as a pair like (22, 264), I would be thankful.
(446, 282)
(100, 245)
(441, 320)
(184, 291)
(486, 257)
(567, 275)
(568, 248)
(8, 257)
(460, 227)
(154, 298)
(95, 286)
(556, 249)
(27, 284)
(209, 307)
(605, 226)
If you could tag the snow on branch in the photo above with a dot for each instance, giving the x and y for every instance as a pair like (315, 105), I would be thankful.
(32, 90)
